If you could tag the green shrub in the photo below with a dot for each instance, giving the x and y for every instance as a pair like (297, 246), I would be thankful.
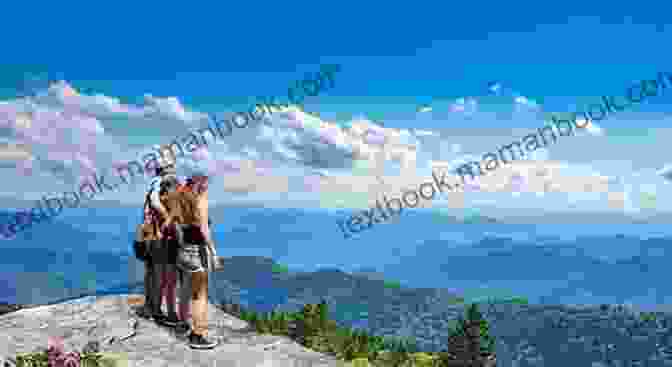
(469, 337)
(392, 284)
(456, 300)
(86, 359)
(279, 269)
(518, 300)
(647, 316)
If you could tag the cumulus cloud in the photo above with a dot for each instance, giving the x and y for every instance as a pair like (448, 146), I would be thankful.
(541, 154)
(170, 107)
(320, 144)
(528, 176)
(65, 132)
(14, 152)
(424, 133)
(56, 136)
(65, 128)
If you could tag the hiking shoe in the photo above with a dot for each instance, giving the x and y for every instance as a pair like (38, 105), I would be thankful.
(144, 313)
(200, 342)
(170, 320)
(173, 320)
(182, 327)
(159, 318)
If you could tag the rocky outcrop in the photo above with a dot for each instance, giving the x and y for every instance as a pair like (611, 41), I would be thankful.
(113, 323)
(7, 308)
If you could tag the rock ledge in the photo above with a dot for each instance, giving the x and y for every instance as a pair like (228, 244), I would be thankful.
(112, 322)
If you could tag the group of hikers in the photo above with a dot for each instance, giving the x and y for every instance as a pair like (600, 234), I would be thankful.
(177, 245)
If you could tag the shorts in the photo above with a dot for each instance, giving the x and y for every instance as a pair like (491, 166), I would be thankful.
(163, 251)
(191, 259)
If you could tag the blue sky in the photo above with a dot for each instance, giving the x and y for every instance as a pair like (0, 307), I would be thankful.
(217, 58)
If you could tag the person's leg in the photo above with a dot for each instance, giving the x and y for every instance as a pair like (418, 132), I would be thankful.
(158, 268)
(165, 284)
(198, 337)
(169, 285)
(184, 307)
(149, 273)
(170, 278)
(156, 289)
(199, 296)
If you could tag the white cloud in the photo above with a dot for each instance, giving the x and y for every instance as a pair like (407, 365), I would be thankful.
(541, 154)
(264, 158)
(424, 132)
(170, 107)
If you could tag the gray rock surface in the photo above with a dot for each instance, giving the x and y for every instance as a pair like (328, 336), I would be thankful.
(114, 324)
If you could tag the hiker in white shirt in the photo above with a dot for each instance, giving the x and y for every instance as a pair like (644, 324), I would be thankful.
(163, 252)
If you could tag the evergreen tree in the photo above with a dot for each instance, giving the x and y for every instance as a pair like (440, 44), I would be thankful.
(323, 312)
(470, 341)
(485, 341)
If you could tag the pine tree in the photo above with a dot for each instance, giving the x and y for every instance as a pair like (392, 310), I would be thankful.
(470, 341)
(307, 325)
(485, 340)
(323, 312)
(458, 343)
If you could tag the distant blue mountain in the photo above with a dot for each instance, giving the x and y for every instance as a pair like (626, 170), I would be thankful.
(553, 262)
(57, 234)
(561, 271)
(53, 260)
(42, 275)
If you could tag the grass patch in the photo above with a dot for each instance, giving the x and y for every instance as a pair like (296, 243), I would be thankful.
(279, 269)
(393, 284)
(456, 301)
(518, 300)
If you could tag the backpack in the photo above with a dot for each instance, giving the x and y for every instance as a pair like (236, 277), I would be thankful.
(146, 231)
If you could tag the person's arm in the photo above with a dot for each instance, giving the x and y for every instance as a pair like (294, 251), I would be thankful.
(205, 228)
(155, 199)
(171, 212)
(203, 217)
(156, 203)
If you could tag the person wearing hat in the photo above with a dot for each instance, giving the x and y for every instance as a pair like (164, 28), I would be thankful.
(163, 252)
